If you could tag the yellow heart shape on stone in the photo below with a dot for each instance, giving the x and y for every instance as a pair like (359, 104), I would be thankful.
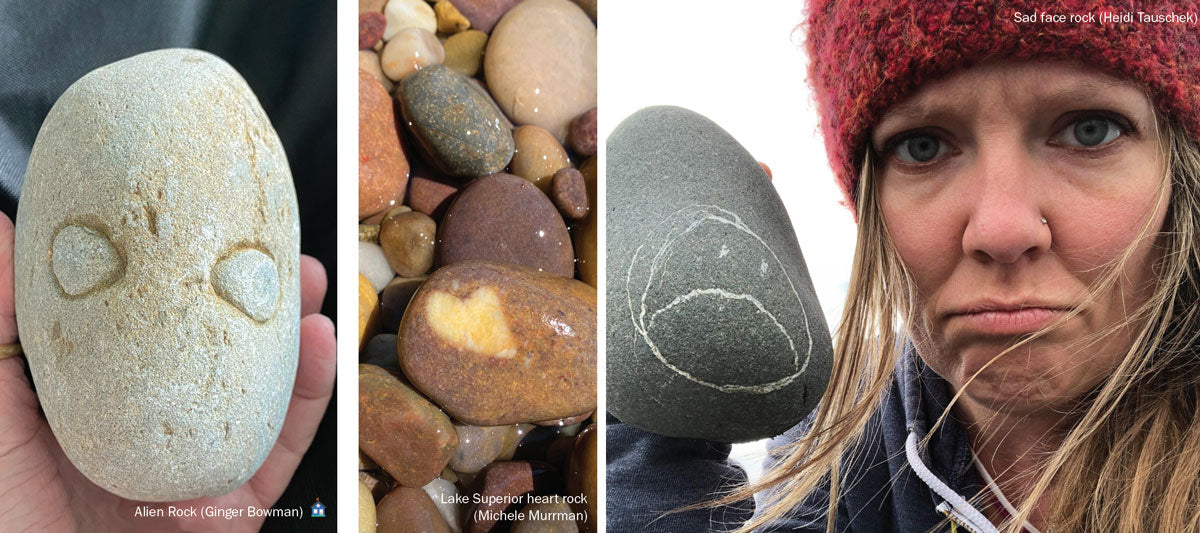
(476, 323)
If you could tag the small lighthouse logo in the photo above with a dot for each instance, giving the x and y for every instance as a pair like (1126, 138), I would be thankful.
(318, 509)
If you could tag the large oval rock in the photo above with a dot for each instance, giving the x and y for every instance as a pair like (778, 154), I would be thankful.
(157, 276)
(457, 126)
(504, 218)
(540, 64)
(714, 329)
(496, 344)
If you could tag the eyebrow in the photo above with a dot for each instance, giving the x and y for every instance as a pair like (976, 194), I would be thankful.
(1043, 102)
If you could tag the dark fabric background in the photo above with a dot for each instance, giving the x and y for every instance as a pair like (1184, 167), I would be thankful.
(284, 49)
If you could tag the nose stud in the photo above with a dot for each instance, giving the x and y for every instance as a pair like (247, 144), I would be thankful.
(1044, 221)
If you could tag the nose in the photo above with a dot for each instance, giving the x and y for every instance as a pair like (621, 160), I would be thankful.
(1005, 215)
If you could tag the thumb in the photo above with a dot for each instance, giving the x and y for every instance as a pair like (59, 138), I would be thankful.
(8, 313)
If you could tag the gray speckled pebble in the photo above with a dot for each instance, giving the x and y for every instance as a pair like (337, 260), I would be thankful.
(456, 124)
(714, 330)
(157, 276)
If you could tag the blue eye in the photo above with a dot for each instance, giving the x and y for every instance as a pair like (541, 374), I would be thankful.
(919, 148)
(1090, 132)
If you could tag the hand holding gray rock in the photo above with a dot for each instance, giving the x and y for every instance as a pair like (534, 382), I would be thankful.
(714, 329)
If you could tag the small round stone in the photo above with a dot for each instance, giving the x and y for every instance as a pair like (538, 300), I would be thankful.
(410, 50)
(569, 192)
(464, 51)
(408, 240)
(403, 14)
(394, 300)
(445, 496)
(366, 509)
(368, 233)
(583, 133)
(374, 265)
(370, 29)
(449, 20)
(538, 156)
(478, 446)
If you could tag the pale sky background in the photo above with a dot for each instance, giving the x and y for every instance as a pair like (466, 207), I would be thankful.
(743, 67)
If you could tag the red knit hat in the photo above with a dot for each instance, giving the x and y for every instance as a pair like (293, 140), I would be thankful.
(866, 55)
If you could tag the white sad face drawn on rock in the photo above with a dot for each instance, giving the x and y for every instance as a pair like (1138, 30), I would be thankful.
(694, 292)
(157, 276)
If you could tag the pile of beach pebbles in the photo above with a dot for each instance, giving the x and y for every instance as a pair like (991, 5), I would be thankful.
(477, 265)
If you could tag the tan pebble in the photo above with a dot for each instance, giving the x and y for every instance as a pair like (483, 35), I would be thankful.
(366, 509)
(410, 50)
(408, 239)
(449, 20)
(368, 233)
(538, 157)
(371, 6)
(368, 61)
(368, 310)
(402, 14)
(464, 51)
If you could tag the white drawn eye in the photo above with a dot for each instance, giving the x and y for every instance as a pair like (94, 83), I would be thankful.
(83, 260)
(248, 280)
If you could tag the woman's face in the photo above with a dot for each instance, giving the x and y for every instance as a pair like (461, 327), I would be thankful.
(971, 165)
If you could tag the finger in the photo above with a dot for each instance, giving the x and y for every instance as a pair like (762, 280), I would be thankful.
(766, 169)
(8, 312)
(310, 396)
(313, 283)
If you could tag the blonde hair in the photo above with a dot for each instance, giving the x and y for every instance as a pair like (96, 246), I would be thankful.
(1133, 457)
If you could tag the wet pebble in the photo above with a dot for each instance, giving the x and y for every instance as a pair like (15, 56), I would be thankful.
(409, 510)
(504, 218)
(478, 446)
(522, 343)
(538, 156)
(380, 351)
(483, 14)
(464, 51)
(457, 126)
(583, 133)
(445, 496)
(407, 240)
(395, 297)
(569, 192)
(366, 509)
(374, 265)
(368, 61)
(541, 64)
(382, 166)
(368, 310)
(388, 408)
(410, 50)
(370, 30)
(403, 14)
(449, 20)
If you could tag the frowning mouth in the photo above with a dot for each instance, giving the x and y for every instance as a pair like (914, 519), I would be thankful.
(1006, 319)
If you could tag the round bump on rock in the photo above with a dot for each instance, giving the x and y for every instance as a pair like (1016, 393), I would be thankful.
(84, 259)
(248, 280)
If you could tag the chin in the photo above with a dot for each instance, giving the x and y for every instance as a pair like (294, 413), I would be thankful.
(1029, 378)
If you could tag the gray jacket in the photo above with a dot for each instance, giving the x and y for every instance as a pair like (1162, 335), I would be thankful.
(893, 484)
